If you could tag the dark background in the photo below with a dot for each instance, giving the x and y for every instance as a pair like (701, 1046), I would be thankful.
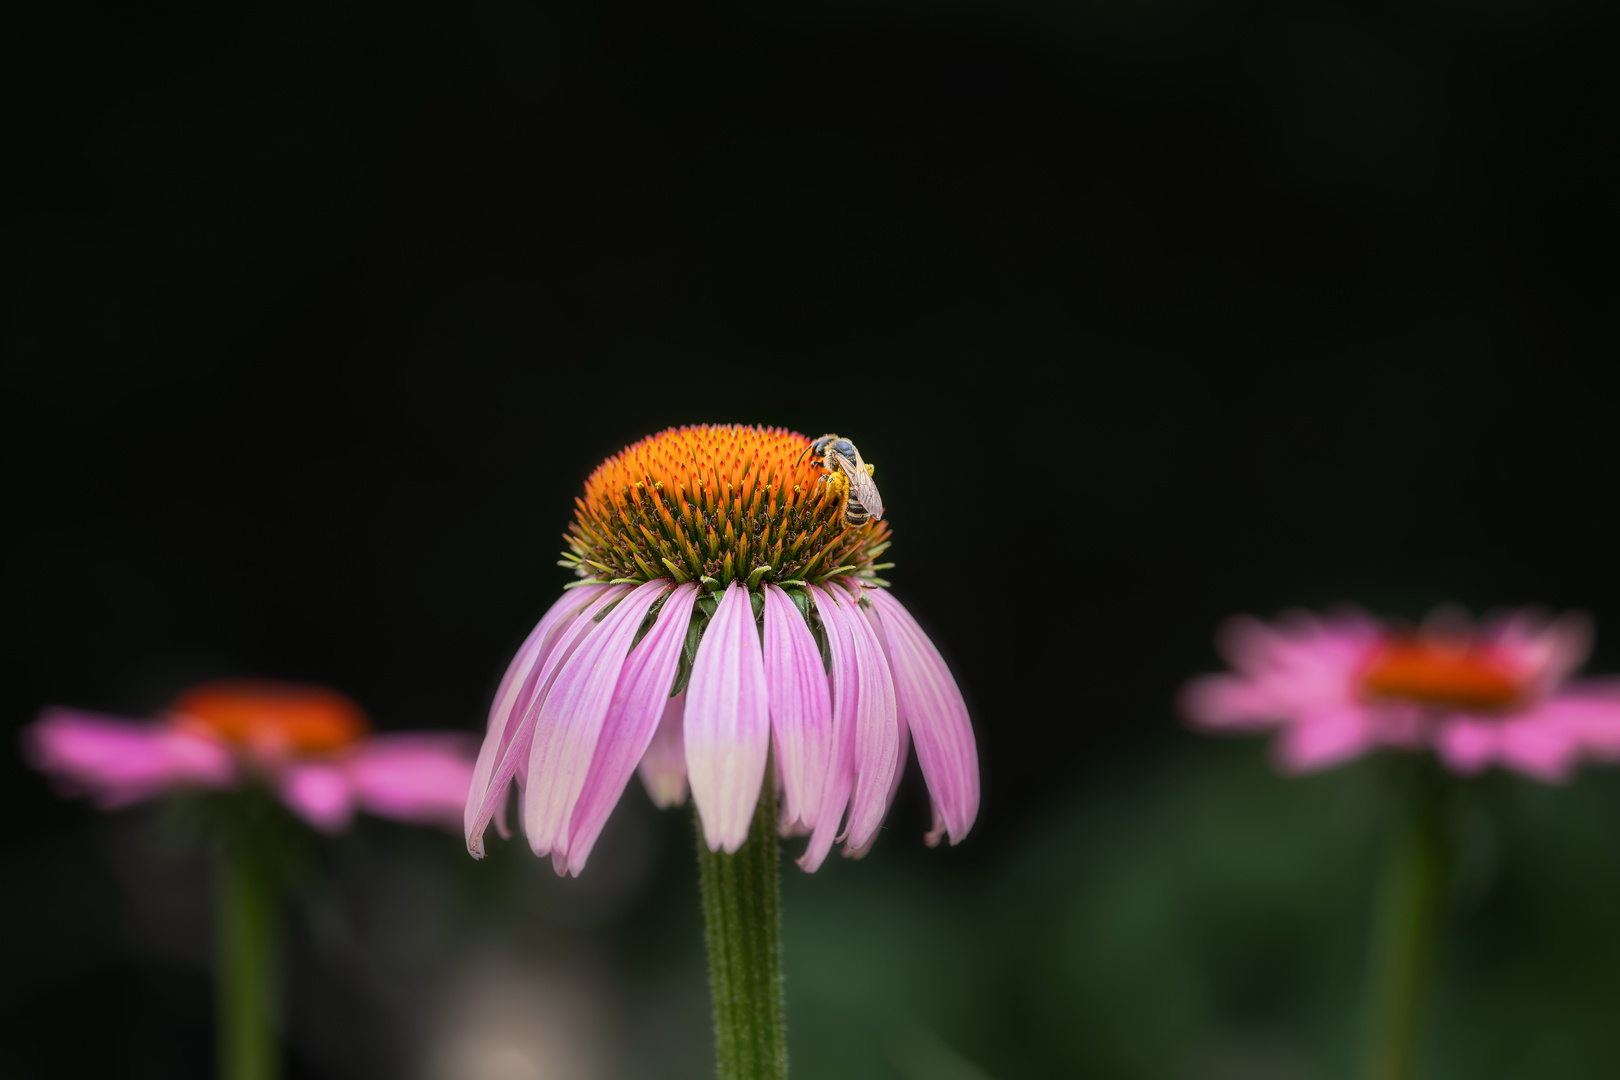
(317, 316)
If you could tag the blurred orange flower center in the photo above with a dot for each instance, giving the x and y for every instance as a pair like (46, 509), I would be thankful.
(1436, 673)
(274, 717)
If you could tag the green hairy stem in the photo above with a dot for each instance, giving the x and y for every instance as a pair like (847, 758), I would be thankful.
(741, 912)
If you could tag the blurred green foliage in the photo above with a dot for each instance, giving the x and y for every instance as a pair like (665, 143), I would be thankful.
(1188, 914)
(1199, 917)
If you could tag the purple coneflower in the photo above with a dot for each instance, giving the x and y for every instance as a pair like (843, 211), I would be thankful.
(311, 745)
(727, 606)
(313, 748)
(1335, 687)
(730, 636)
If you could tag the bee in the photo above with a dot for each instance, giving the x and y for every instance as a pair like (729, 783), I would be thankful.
(838, 453)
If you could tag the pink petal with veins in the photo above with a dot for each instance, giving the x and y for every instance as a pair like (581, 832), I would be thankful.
(801, 708)
(570, 720)
(840, 776)
(728, 730)
(936, 715)
(876, 622)
(632, 720)
(514, 757)
(877, 734)
(517, 686)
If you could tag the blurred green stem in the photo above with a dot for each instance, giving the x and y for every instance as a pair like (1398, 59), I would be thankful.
(742, 915)
(246, 955)
(1411, 896)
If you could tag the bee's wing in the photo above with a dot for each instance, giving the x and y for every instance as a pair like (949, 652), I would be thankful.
(861, 487)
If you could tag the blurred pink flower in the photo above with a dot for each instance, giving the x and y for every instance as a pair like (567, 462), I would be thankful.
(311, 745)
(587, 699)
(1494, 693)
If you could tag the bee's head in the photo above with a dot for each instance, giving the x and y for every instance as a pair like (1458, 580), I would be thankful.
(818, 447)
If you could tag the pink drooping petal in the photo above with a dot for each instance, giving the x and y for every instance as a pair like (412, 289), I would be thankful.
(1590, 710)
(900, 759)
(728, 726)
(1538, 743)
(936, 714)
(632, 720)
(570, 720)
(876, 622)
(1324, 737)
(117, 761)
(801, 708)
(877, 735)
(840, 776)
(570, 603)
(1328, 641)
(1231, 703)
(420, 777)
(663, 766)
(1541, 751)
(1466, 745)
(1303, 661)
(514, 757)
(319, 792)
(517, 686)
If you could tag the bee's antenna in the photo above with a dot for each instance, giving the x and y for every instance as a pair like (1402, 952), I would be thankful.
(806, 450)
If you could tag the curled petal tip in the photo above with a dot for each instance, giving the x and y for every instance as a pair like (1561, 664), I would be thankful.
(935, 715)
(932, 837)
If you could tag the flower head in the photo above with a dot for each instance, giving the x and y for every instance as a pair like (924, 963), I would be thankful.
(727, 604)
(1497, 692)
(312, 745)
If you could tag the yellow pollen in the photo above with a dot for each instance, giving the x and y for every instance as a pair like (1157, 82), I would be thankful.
(718, 502)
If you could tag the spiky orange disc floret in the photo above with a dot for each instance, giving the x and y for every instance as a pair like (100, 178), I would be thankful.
(719, 502)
